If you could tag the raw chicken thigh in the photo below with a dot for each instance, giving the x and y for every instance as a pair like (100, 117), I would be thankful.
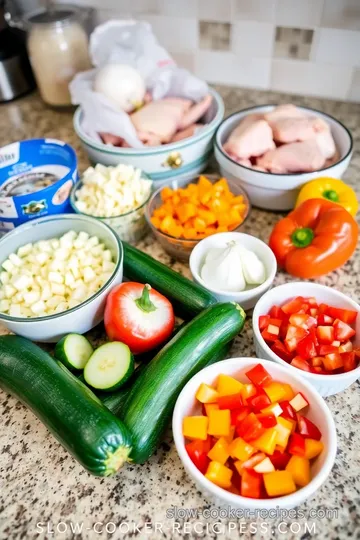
(252, 137)
(304, 156)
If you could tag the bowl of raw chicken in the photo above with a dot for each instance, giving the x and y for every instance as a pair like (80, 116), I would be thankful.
(177, 135)
(271, 151)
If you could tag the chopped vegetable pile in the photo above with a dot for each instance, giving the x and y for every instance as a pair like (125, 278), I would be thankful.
(310, 336)
(253, 438)
(199, 210)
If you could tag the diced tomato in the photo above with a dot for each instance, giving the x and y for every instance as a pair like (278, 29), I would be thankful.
(319, 370)
(260, 401)
(251, 483)
(302, 320)
(336, 343)
(346, 347)
(197, 451)
(325, 334)
(250, 428)
(233, 401)
(288, 411)
(324, 320)
(263, 321)
(294, 335)
(280, 459)
(317, 361)
(312, 332)
(308, 429)
(258, 375)
(323, 309)
(275, 322)
(279, 348)
(300, 363)
(293, 306)
(323, 350)
(346, 315)
(296, 445)
(311, 300)
(349, 360)
(343, 332)
(306, 348)
(333, 361)
(314, 312)
(237, 415)
(269, 337)
(357, 352)
(267, 420)
(277, 313)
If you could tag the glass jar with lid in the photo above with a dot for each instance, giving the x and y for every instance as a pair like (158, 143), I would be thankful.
(58, 49)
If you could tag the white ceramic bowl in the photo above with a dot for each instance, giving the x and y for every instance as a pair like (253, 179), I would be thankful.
(326, 385)
(83, 317)
(248, 298)
(318, 413)
(194, 152)
(278, 191)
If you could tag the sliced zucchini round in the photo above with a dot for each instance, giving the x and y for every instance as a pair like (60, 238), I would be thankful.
(110, 366)
(73, 350)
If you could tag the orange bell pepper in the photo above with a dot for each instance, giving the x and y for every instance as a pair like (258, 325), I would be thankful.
(210, 406)
(195, 427)
(240, 449)
(299, 467)
(313, 448)
(219, 423)
(314, 239)
(206, 394)
(289, 392)
(275, 391)
(218, 474)
(220, 451)
(279, 483)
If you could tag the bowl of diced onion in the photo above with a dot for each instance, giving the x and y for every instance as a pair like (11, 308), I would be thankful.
(55, 275)
(115, 195)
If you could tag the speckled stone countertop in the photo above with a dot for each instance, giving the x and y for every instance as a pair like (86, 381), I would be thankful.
(44, 492)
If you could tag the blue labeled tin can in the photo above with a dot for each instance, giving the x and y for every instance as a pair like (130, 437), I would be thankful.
(36, 177)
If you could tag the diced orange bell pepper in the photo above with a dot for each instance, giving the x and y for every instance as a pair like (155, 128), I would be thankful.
(204, 185)
(166, 193)
(219, 423)
(218, 474)
(251, 483)
(230, 437)
(279, 483)
(313, 448)
(283, 431)
(248, 390)
(206, 394)
(195, 427)
(266, 442)
(210, 406)
(275, 391)
(185, 211)
(274, 409)
(240, 449)
(227, 385)
(289, 392)
(299, 467)
(220, 451)
(190, 233)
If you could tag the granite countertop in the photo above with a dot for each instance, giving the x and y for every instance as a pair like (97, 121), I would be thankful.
(45, 493)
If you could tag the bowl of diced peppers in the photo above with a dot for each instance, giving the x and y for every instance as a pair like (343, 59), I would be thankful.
(313, 330)
(252, 435)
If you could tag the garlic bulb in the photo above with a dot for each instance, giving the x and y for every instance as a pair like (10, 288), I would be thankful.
(223, 270)
(122, 84)
(253, 267)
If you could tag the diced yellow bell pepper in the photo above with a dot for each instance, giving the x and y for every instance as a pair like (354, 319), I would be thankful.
(248, 390)
(230, 437)
(289, 392)
(219, 423)
(274, 409)
(206, 394)
(210, 406)
(283, 430)
(220, 451)
(275, 391)
(218, 474)
(266, 442)
(313, 448)
(227, 385)
(279, 483)
(240, 449)
(195, 427)
(299, 468)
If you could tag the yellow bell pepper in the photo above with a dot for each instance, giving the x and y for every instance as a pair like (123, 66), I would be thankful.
(218, 474)
(313, 448)
(248, 390)
(220, 451)
(266, 442)
(279, 483)
(206, 394)
(283, 430)
(240, 449)
(299, 468)
(219, 423)
(332, 189)
(289, 392)
(275, 391)
(210, 406)
(195, 427)
(274, 409)
(227, 385)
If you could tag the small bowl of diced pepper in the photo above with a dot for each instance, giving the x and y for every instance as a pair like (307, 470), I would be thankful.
(180, 215)
(313, 330)
(253, 435)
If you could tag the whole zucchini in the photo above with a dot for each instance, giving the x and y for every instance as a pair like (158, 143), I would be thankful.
(151, 400)
(74, 415)
(188, 298)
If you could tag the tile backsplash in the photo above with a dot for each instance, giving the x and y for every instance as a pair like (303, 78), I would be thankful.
(300, 46)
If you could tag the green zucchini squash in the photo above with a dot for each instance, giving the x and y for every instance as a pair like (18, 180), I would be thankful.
(187, 298)
(74, 415)
(148, 408)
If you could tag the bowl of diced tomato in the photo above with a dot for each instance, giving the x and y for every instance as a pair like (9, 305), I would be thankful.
(253, 435)
(313, 330)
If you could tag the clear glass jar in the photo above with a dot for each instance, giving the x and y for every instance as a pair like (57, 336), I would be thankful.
(58, 49)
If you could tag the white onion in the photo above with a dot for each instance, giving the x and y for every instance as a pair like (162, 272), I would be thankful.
(122, 84)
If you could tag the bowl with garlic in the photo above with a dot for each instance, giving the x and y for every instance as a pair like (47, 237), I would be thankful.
(116, 196)
(55, 275)
(234, 266)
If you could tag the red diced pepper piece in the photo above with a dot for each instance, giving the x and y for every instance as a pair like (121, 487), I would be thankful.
(280, 460)
(349, 360)
(333, 361)
(308, 429)
(346, 315)
(306, 348)
(267, 420)
(300, 363)
(197, 451)
(263, 321)
(250, 428)
(251, 483)
(279, 348)
(325, 334)
(296, 445)
(258, 375)
(323, 350)
(293, 306)
(288, 411)
(233, 401)
(343, 332)
(325, 320)
(238, 415)
(260, 401)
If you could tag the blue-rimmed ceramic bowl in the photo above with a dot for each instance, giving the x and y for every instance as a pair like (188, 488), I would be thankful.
(180, 161)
